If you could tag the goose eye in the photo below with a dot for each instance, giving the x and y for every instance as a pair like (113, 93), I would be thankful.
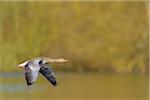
(40, 62)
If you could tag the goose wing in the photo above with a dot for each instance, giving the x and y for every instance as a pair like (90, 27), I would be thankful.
(46, 71)
(31, 75)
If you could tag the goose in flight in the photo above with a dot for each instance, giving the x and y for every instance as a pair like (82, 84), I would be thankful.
(40, 64)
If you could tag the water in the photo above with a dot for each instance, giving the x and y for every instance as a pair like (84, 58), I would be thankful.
(75, 86)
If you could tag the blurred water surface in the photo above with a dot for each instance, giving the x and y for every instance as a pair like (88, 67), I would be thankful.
(75, 86)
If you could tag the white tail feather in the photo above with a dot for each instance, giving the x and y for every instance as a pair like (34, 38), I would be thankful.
(23, 64)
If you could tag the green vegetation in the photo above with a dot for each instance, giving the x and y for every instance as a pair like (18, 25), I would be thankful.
(93, 36)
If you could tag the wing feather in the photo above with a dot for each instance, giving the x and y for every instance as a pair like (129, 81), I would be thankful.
(31, 76)
(46, 71)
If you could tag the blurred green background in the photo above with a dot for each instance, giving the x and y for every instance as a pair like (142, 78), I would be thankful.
(100, 36)
(96, 38)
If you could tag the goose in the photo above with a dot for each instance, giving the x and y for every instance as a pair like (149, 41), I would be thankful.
(33, 67)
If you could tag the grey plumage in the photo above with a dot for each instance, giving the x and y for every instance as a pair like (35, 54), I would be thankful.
(45, 70)
(49, 75)
(41, 64)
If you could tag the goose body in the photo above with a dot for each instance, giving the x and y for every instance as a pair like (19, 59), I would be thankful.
(41, 65)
